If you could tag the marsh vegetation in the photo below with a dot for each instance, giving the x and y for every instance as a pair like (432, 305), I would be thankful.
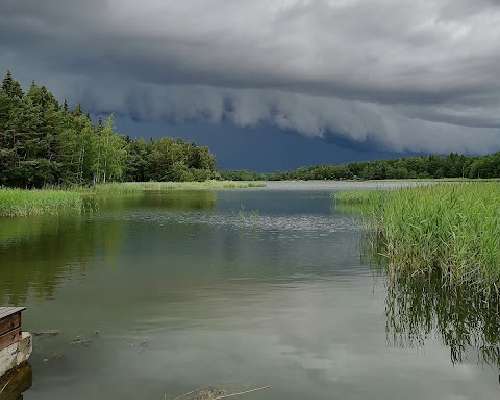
(24, 202)
(449, 229)
(439, 248)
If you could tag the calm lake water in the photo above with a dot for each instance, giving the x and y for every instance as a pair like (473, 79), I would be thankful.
(158, 294)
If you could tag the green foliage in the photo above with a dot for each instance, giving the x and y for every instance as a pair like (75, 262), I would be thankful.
(11, 87)
(43, 143)
(110, 154)
(174, 160)
(452, 228)
(426, 167)
(244, 175)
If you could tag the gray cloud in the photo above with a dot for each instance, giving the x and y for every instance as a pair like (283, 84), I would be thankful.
(418, 76)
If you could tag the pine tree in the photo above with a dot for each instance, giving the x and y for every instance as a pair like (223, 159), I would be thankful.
(43, 143)
(11, 87)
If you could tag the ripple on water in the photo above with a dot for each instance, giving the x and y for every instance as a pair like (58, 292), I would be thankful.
(320, 225)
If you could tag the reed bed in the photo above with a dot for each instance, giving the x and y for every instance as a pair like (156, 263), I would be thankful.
(134, 187)
(22, 203)
(450, 228)
(364, 197)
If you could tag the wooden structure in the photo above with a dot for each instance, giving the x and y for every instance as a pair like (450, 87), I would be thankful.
(10, 326)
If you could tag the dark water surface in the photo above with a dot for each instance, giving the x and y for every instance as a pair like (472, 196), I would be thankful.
(159, 294)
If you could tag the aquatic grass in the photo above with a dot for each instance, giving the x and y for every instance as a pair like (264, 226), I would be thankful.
(22, 202)
(137, 187)
(451, 228)
(365, 201)
(366, 197)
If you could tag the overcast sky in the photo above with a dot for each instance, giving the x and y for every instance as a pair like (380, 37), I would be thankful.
(393, 75)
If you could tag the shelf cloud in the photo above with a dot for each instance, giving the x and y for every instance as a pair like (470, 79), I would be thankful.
(408, 75)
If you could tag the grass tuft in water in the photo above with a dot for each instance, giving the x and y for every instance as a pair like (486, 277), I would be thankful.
(134, 187)
(450, 228)
(22, 203)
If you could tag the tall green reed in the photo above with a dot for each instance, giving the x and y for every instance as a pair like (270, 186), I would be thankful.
(450, 228)
(22, 203)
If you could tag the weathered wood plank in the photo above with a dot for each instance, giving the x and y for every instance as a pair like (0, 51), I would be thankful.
(7, 311)
(10, 338)
(9, 323)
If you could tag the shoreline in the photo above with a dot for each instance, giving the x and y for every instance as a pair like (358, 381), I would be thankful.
(16, 202)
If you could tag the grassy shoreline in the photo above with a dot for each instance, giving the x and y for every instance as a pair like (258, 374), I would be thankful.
(24, 203)
(137, 187)
(53, 201)
(452, 229)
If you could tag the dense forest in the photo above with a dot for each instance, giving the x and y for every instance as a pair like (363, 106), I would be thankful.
(425, 167)
(46, 143)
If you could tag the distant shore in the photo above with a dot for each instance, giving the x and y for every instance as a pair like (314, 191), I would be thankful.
(16, 202)
(28, 202)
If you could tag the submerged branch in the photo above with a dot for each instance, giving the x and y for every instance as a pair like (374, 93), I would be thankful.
(244, 392)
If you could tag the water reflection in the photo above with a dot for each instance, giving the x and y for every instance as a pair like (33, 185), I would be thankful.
(421, 308)
(418, 308)
(175, 201)
(39, 253)
(14, 384)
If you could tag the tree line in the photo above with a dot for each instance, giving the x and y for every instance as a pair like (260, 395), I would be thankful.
(43, 142)
(423, 167)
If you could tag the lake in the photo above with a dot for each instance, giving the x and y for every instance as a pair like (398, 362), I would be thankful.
(157, 294)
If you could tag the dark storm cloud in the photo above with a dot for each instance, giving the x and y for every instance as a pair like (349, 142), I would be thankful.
(410, 75)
